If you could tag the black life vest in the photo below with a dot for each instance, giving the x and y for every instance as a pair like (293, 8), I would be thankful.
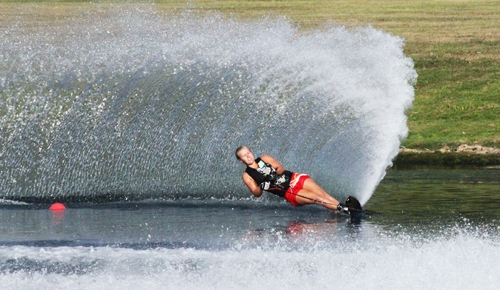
(279, 182)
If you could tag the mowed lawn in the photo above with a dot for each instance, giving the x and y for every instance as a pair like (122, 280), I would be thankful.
(455, 45)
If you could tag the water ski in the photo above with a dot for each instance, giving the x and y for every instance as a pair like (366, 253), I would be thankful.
(354, 207)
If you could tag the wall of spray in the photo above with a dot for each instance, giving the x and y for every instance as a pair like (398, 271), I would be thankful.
(140, 105)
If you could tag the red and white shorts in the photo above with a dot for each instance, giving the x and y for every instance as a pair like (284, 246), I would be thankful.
(296, 185)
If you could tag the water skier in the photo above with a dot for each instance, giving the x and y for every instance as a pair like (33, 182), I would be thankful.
(267, 173)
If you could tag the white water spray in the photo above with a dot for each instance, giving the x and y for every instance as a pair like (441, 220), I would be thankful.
(140, 105)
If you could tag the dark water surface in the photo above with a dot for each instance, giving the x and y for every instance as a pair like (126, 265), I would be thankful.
(424, 228)
(429, 197)
(406, 200)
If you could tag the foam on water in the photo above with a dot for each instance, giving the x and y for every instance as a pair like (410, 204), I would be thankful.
(390, 261)
(135, 104)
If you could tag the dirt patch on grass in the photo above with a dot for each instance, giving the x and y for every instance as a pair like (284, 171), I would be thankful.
(464, 148)
(464, 155)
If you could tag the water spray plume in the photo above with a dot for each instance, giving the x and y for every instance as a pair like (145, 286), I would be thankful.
(138, 105)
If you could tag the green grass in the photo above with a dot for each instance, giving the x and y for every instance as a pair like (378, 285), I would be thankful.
(455, 45)
(457, 96)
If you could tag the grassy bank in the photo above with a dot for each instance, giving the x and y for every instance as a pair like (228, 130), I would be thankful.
(455, 45)
(408, 160)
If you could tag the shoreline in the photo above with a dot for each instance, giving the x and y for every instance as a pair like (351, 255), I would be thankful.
(463, 156)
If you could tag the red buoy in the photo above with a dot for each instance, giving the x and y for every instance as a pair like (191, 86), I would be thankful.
(57, 207)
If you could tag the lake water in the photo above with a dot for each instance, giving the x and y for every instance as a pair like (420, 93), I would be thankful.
(425, 229)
